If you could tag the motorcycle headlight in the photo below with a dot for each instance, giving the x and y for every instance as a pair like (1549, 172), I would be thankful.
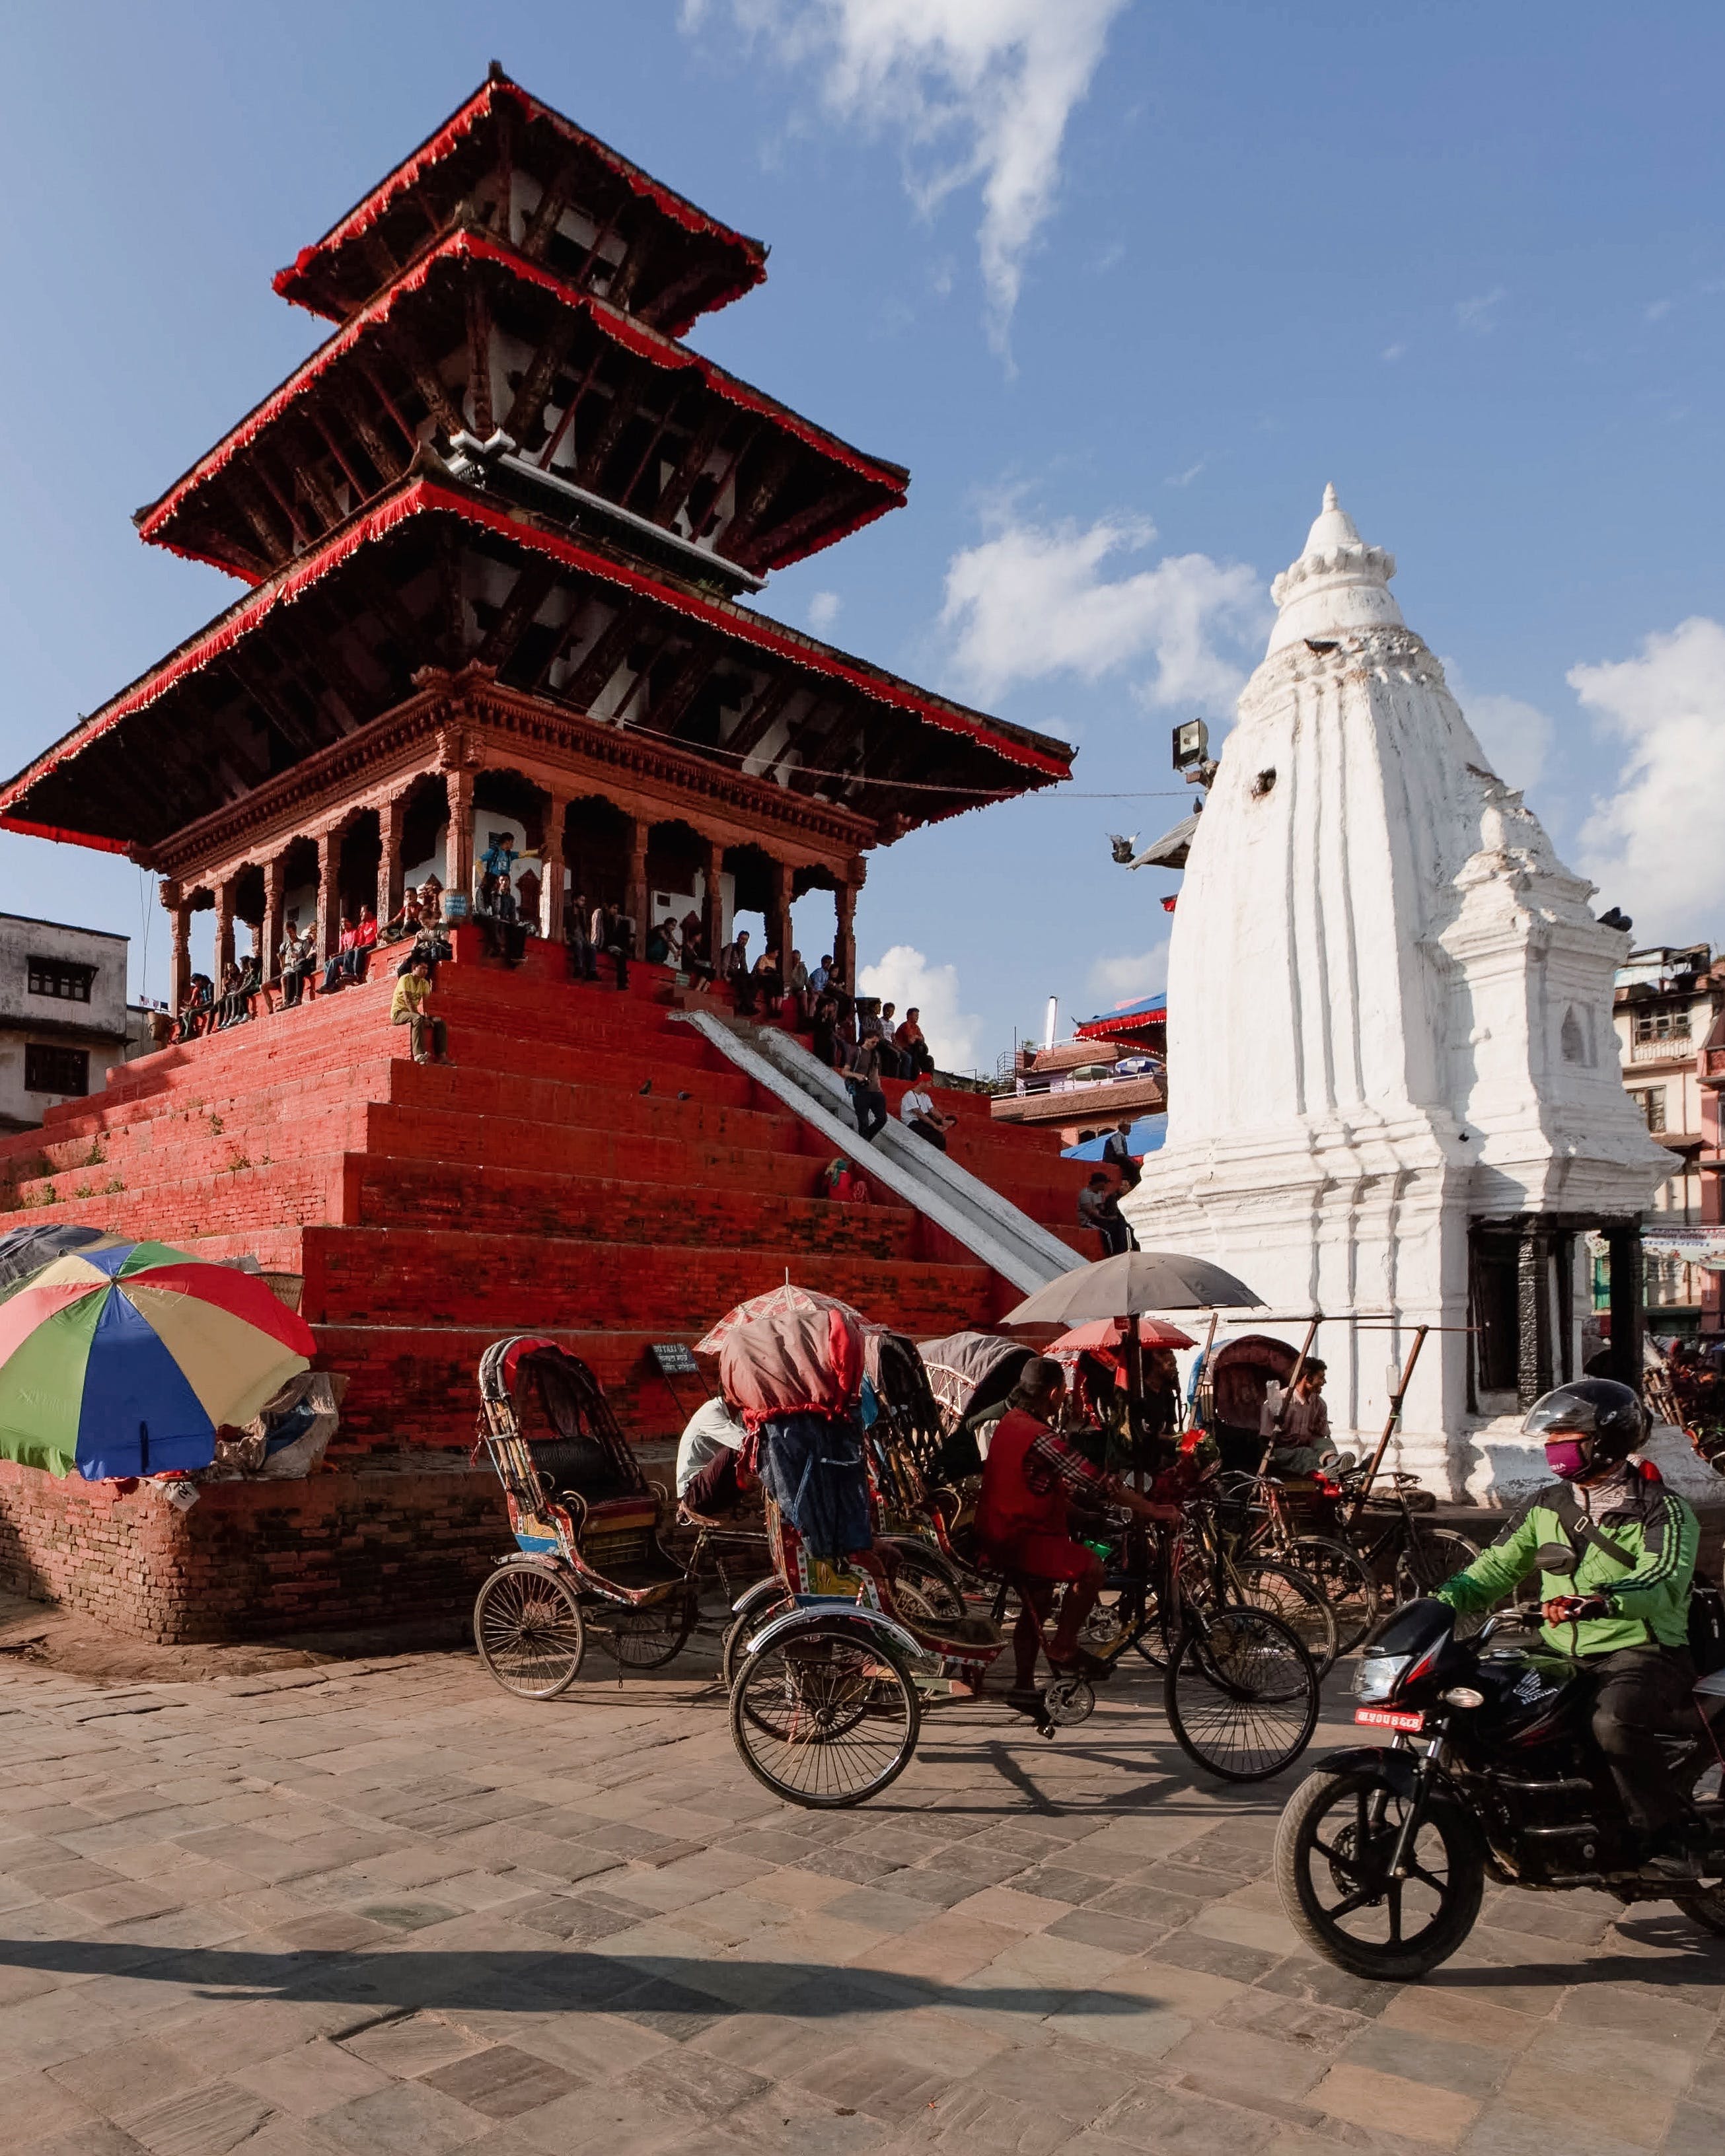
(1377, 1676)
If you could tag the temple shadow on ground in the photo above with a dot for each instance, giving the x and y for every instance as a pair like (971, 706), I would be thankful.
(671, 1994)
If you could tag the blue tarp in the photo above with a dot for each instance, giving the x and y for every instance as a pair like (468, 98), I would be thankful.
(1146, 1135)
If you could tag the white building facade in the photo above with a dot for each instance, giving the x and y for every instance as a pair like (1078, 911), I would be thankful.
(64, 1018)
(1395, 1092)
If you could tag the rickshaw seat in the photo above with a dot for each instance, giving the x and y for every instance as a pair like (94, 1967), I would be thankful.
(581, 1465)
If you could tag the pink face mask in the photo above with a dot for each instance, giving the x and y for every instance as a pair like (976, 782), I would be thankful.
(1567, 1457)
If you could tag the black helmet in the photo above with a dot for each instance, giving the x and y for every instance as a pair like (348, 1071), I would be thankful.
(1609, 1417)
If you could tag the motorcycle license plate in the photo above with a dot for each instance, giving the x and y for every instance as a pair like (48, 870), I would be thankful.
(1388, 1717)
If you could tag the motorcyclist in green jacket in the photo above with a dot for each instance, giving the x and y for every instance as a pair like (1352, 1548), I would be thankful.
(1615, 1551)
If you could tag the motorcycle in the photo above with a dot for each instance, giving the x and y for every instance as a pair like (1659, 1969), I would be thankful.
(1383, 1852)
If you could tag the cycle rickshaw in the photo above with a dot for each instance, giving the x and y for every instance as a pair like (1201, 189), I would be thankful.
(828, 1693)
(586, 1523)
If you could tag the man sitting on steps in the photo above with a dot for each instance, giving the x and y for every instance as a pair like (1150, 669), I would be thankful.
(413, 991)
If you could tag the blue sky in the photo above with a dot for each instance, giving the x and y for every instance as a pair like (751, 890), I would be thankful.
(1124, 283)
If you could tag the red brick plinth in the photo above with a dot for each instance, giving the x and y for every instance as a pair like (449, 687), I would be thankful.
(586, 1167)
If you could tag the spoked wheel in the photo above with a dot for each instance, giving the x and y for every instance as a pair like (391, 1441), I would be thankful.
(922, 1583)
(648, 1637)
(527, 1624)
(1332, 1855)
(1341, 1576)
(825, 1716)
(1431, 1556)
(1299, 1603)
(1241, 1694)
(766, 1599)
(1129, 1604)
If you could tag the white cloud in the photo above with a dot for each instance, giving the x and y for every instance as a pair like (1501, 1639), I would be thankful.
(1653, 847)
(1394, 351)
(908, 978)
(1185, 478)
(823, 611)
(1656, 310)
(1516, 737)
(980, 91)
(1128, 979)
(1479, 315)
(1031, 600)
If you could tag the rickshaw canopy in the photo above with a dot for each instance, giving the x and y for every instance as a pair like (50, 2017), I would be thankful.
(792, 1351)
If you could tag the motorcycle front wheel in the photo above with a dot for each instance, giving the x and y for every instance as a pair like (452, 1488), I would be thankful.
(1333, 1848)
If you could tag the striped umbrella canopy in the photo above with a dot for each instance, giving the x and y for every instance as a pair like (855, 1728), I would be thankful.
(125, 1359)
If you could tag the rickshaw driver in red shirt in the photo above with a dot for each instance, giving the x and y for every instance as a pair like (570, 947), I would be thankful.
(1022, 1527)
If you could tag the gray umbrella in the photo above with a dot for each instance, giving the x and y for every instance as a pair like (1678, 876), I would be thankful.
(1137, 1280)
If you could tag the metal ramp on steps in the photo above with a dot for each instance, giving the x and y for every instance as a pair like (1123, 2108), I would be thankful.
(988, 1226)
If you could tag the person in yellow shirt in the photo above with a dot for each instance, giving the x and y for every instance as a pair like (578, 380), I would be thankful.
(413, 991)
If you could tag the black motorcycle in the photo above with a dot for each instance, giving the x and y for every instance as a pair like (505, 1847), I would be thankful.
(1383, 1852)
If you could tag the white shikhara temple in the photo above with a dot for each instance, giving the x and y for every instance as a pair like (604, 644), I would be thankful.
(1395, 1090)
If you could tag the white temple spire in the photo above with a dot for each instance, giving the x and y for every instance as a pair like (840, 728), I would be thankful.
(1393, 1087)
(1338, 585)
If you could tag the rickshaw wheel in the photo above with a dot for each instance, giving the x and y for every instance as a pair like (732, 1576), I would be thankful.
(926, 1581)
(528, 1628)
(825, 1716)
(765, 1600)
(647, 1639)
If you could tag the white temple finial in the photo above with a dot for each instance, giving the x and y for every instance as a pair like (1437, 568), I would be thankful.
(1339, 584)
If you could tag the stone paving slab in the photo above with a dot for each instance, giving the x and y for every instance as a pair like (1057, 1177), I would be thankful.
(368, 1908)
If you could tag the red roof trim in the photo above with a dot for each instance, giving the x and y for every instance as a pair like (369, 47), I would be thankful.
(1100, 1028)
(421, 495)
(454, 130)
(633, 336)
(60, 836)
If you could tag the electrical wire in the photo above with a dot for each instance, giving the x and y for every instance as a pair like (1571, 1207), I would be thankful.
(978, 793)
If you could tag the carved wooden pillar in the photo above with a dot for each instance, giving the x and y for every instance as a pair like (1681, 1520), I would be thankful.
(1533, 1314)
(779, 923)
(275, 888)
(224, 928)
(328, 898)
(179, 913)
(713, 905)
(635, 899)
(551, 871)
(845, 939)
(458, 855)
(391, 816)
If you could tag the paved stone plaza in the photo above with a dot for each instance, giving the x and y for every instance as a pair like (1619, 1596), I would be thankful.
(373, 1908)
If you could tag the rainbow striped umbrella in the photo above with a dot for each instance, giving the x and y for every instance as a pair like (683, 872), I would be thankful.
(124, 1358)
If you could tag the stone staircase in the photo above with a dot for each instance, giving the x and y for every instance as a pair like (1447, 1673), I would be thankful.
(585, 1166)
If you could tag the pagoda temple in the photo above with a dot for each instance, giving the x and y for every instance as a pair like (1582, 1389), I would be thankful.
(497, 539)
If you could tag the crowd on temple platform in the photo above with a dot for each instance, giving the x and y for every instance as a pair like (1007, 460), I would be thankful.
(862, 1038)
(212, 1008)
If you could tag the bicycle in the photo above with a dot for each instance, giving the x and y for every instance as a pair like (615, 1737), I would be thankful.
(1240, 1689)
(1221, 1569)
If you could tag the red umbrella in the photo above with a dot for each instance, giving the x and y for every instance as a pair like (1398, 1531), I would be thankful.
(1103, 1333)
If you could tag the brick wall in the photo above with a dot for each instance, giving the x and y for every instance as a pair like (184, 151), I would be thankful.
(369, 1546)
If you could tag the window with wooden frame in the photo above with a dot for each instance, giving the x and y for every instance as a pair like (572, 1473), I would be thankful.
(61, 977)
(49, 1068)
(1650, 1101)
(1663, 1022)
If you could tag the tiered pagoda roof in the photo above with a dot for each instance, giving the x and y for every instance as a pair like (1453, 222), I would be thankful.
(504, 467)
(474, 338)
(592, 217)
